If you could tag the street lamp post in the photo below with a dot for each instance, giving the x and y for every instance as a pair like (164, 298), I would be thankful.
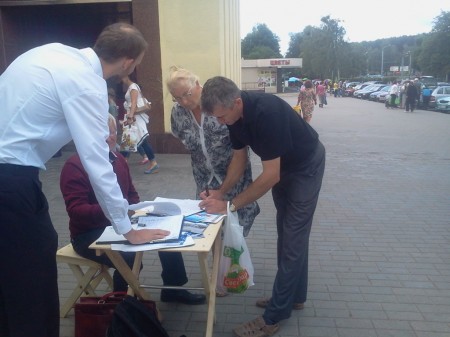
(402, 66)
(409, 67)
(382, 59)
(367, 65)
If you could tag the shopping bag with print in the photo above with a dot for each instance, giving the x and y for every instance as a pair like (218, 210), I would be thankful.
(130, 138)
(235, 268)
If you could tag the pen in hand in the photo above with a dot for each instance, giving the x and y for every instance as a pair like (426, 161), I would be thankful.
(207, 190)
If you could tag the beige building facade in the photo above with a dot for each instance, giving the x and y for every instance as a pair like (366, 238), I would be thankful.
(202, 36)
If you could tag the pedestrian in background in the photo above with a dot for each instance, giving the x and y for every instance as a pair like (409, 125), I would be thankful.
(411, 96)
(336, 89)
(307, 100)
(393, 94)
(133, 99)
(321, 92)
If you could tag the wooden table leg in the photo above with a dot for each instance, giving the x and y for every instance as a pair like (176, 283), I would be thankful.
(131, 276)
(210, 282)
(136, 269)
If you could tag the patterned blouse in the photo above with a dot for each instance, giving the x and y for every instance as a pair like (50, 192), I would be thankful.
(211, 153)
(307, 100)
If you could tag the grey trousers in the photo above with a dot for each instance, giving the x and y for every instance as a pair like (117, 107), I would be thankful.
(295, 197)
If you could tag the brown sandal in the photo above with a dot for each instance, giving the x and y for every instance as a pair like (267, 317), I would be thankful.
(264, 302)
(255, 328)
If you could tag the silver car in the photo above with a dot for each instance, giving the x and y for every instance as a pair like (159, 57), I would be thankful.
(438, 93)
(443, 103)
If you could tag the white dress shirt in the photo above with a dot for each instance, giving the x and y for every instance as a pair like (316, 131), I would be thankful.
(49, 96)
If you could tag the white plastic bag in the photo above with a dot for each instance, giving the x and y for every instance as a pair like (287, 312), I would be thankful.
(235, 268)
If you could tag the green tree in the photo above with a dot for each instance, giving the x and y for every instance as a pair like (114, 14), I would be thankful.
(320, 48)
(433, 56)
(334, 39)
(260, 43)
(261, 52)
(314, 53)
(294, 45)
(326, 54)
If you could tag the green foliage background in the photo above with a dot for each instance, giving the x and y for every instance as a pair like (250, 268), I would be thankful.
(326, 54)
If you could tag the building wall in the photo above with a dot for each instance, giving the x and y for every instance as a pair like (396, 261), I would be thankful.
(202, 36)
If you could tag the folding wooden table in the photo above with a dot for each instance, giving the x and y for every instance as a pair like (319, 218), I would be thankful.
(211, 242)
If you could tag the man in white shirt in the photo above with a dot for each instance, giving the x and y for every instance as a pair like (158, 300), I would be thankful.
(48, 96)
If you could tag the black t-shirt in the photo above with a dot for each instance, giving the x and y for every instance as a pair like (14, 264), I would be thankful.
(273, 129)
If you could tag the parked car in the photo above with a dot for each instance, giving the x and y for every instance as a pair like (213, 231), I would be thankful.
(350, 90)
(363, 87)
(373, 82)
(360, 87)
(364, 93)
(379, 96)
(351, 84)
(443, 103)
(384, 96)
(438, 93)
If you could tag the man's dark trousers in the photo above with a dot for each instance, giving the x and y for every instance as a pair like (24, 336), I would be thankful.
(295, 197)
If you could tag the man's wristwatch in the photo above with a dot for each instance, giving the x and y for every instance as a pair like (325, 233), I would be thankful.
(232, 207)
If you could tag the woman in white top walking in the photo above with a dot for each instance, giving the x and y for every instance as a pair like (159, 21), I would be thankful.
(133, 99)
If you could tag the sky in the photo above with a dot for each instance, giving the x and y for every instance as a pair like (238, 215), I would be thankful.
(363, 20)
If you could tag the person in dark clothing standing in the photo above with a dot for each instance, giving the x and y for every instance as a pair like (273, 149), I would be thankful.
(411, 96)
(293, 161)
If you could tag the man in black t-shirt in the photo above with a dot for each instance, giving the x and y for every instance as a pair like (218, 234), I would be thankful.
(293, 161)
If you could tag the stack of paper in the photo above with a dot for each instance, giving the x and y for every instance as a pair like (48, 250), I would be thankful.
(167, 214)
(173, 224)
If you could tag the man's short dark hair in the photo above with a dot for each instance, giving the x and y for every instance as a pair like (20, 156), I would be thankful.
(219, 91)
(120, 40)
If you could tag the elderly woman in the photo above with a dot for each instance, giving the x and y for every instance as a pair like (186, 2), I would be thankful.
(307, 99)
(207, 140)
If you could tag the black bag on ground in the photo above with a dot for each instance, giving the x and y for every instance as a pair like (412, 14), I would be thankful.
(131, 318)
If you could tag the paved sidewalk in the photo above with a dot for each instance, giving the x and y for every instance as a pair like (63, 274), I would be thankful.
(379, 250)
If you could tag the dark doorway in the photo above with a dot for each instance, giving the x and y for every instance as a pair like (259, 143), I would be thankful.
(77, 25)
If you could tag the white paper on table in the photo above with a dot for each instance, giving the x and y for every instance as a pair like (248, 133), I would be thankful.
(109, 235)
(173, 224)
(187, 206)
(156, 207)
(152, 246)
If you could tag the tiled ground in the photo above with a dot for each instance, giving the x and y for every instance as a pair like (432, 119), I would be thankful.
(379, 250)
